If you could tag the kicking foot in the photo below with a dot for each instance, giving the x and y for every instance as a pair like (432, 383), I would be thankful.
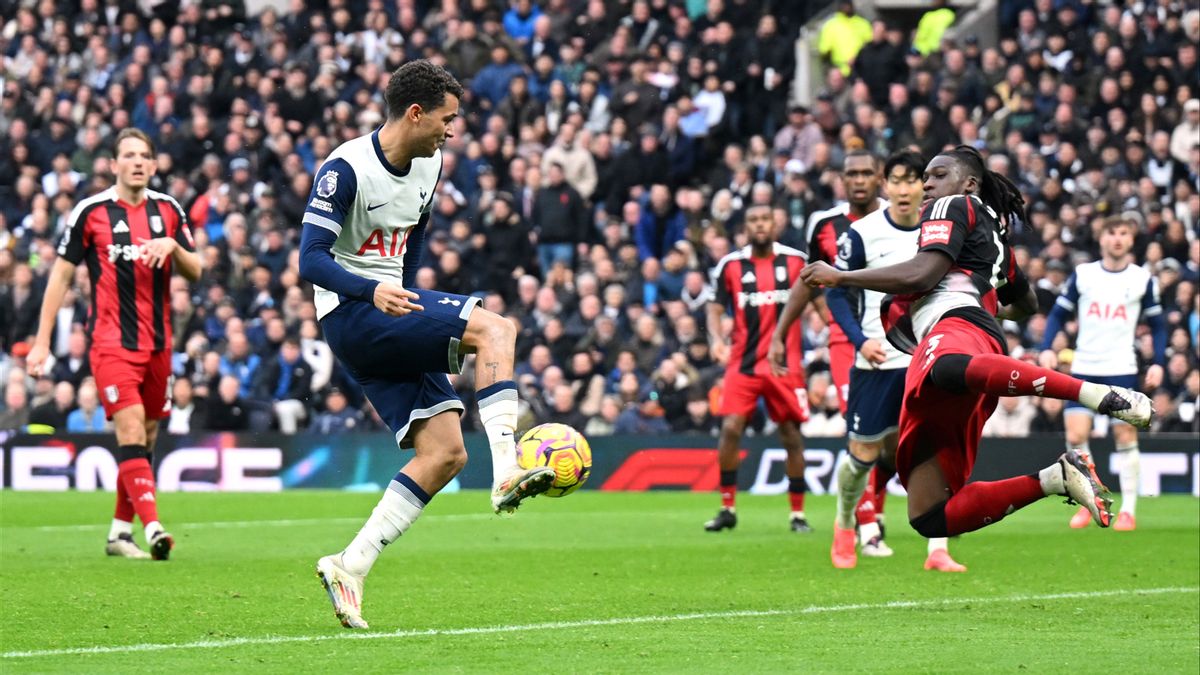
(521, 485)
(1125, 522)
(161, 544)
(876, 547)
(800, 524)
(941, 561)
(725, 519)
(1084, 486)
(124, 547)
(345, 591)
(1127, 405)
(1081, 519)
(842, 553)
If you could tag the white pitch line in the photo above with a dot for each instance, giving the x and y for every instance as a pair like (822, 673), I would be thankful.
(590, 623)
(289, 522)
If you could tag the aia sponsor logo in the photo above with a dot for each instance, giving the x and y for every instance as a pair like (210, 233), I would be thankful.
(1107, 312)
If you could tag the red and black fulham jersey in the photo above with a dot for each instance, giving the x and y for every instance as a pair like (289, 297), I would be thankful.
(757, 290)
(131, 307)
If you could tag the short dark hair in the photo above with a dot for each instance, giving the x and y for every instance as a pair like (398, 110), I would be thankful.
(862, 152)
(420, 82)
(910, 160)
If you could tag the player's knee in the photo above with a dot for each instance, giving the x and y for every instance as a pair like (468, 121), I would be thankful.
(949, 372)
(733, 425)
(494, 330)
(932, 523)
(453, 460)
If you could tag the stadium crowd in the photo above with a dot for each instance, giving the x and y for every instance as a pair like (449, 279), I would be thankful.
(606, 152)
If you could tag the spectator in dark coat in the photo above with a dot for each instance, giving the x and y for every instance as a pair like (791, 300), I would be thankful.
(560, 220)
(228, 411)
(661, 225)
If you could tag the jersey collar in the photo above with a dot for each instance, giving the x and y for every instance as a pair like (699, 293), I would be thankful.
(392, 169)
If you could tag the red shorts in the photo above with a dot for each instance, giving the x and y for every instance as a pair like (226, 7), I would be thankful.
(935, 422)
(786, 397)
(841, 358)
(125, 378)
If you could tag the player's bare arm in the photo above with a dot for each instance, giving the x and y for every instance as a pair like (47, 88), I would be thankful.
(798, 298)
(718, 342)
(917, 275)
(61, 276)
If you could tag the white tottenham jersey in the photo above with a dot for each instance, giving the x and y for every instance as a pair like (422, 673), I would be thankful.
(1108, 306)
(372, 207)
(871, 242)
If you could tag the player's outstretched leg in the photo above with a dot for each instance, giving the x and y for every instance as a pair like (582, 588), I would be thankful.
(980, 504)
(999, 375)
(852, 480)
(493, 338)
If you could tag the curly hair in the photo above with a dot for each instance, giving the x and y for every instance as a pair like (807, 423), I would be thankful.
(420, 82)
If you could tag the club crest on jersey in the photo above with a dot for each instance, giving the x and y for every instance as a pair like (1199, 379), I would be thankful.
(327, 184)
(111, 393)
(844, 247)
(156, 224)
(780, 274)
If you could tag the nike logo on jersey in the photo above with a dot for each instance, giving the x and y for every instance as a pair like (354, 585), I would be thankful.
(372, 207)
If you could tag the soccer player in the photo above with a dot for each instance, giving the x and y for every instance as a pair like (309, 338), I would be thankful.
(361, 245)
(884, 237)
(860, 181)
(132, 238)
(963, 270)
(754, 282)
(1108, 296)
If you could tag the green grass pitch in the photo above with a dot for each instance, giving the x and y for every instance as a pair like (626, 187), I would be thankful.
(596, 582)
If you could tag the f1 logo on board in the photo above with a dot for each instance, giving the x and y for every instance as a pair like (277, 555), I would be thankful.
(936, 232)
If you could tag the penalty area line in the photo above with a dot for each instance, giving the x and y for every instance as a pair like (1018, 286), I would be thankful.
(591, 623)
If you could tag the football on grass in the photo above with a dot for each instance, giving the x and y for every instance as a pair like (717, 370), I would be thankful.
(561, 448)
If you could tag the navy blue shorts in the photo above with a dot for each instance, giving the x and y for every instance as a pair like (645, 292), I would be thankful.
(873, 408)
(401, 361)
(1077, 408)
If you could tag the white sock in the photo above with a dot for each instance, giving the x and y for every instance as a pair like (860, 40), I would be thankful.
(118, 528)
(1131, 475)
(1051, 479)
(868, 531)
(1091, 394)
(152, 528)
(396, 511)
(498, 412)
(938, 544)
(852, 480)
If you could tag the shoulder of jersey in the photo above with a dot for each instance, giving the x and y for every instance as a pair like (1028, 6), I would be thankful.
(839, 209)
(874, 219)
(162, 196)
(784, 249)
(103, 196)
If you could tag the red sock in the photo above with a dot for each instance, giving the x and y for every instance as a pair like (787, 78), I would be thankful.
(728, 488)
(796, 488)
(981, 504)
(124, 508)
(1005, 376)
(138, 478)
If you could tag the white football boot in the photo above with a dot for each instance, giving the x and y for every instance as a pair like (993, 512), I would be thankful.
(345, 590)
(520, 485)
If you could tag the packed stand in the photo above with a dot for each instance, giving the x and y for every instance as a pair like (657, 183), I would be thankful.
(604, 158)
